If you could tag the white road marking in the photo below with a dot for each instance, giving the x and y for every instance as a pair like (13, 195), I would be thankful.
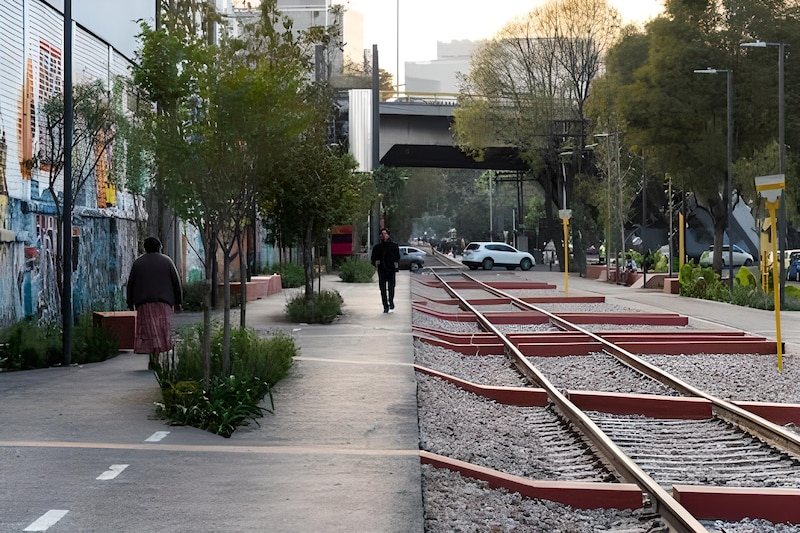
(157, 436)
(112, 472)
(48, 519)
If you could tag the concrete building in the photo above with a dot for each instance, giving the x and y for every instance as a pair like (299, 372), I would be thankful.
(441, 74)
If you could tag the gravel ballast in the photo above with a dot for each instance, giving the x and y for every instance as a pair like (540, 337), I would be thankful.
(453, 503)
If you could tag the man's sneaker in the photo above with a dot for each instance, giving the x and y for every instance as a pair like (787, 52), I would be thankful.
(391, 310)
(385, 309)
(391, 307)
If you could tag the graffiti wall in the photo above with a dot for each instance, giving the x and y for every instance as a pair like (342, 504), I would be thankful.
(104, 234)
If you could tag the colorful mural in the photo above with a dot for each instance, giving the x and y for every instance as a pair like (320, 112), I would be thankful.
(104, 219)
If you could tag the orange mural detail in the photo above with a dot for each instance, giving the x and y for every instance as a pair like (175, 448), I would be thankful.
(27, 123)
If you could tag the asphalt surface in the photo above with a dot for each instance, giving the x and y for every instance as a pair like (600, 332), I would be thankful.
(338, 454)
(81, 449)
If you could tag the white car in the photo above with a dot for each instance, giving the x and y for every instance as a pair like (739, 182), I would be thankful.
(487, 255)
(740, 257)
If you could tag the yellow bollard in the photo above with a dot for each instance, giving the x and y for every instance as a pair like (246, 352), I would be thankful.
(776, 291)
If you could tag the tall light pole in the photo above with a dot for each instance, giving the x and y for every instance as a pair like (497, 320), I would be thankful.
(782, 154)
(66, 225)
(608, 203)
(565, 214)
(729, 185)
(397, 49)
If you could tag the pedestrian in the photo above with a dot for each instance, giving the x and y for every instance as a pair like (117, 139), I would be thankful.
(385, 258)
(154, 292)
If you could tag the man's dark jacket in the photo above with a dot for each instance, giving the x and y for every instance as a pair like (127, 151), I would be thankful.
(386, 256)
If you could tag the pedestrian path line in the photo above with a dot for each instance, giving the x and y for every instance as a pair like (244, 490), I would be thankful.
(204, 448)
(350, 361)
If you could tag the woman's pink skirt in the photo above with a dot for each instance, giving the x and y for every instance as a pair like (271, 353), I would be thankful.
(153, 331)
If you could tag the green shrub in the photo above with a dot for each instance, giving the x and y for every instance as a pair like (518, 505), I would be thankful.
(356, 271)
(322, 308)
(745, 278)
(257, 364)
(292, 275)
(26, 345)
(704, 283)
(194, 293)
(750, 296)
(658, 262)
(91, 344)
(229, 403)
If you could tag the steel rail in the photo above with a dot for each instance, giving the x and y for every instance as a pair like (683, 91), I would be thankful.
(757, 426)
(667, 507)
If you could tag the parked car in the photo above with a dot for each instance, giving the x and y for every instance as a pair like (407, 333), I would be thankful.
(793, 272)
(740, 257)
(487, 255)
(411, 258)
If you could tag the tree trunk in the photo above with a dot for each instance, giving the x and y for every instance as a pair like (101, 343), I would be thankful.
(210, 256)
(308, 260)
(244, 276)
(226, 313)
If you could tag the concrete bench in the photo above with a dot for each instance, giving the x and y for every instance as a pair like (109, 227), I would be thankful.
(121, 325)
(258, 287)
(672, 286)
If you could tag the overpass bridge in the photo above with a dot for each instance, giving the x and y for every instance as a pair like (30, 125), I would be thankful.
(415, 132)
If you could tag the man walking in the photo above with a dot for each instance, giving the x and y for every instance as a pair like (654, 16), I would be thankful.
(386, 258)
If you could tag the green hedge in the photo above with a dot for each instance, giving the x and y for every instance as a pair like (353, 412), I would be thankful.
(354, 270)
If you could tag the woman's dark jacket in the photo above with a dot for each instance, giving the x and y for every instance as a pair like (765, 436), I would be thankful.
(154, 278)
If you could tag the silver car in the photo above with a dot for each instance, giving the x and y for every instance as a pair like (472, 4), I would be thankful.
(740, 257)
(411, 258)
(487, 255)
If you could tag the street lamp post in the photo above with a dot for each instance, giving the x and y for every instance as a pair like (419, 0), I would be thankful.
(608, 203)
(781, 221)
(565, 214)
(729, 185)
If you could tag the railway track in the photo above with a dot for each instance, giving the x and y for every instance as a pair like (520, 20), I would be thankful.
(680, 451)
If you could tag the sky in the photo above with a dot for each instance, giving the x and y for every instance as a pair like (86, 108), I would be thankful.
(112, 20)
(421, 22)
(424, 22)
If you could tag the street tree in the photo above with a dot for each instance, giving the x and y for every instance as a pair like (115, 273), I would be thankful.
(224, 113)
(95, 122)
(651, 94)
(316, 188)
(528, 85)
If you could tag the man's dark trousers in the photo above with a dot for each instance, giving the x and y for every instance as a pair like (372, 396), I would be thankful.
(386, 281)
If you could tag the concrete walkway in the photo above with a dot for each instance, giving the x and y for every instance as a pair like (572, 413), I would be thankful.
(340, 453)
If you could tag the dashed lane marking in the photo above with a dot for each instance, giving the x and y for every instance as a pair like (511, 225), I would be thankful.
(157, 436)
(112, 472)
(48, 519)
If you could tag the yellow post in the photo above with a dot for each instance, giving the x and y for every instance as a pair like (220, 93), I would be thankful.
(776, 291)
(770, 188)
